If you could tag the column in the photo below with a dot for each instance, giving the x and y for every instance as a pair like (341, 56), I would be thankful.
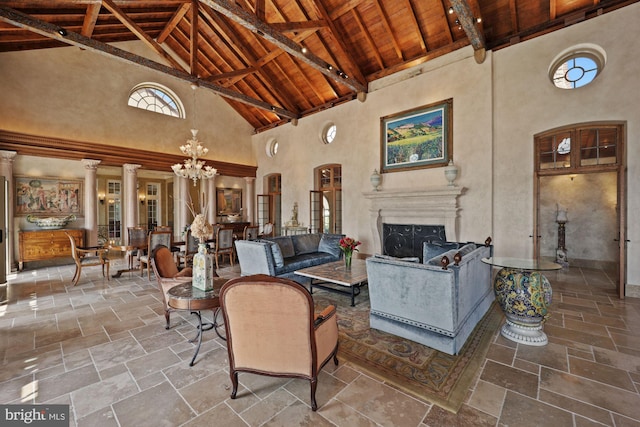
(250, 199)
(6, 170)
(90, 201)
(130, 196)
(180, 201)
(212, 211)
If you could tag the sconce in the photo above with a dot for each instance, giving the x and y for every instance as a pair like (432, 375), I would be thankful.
(111, 201)
(101, 198)
(142, 199)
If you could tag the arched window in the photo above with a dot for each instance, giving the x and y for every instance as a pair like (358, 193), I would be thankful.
(577, 66)
(154, 97)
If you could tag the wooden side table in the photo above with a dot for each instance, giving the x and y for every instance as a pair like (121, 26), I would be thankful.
(186, 297)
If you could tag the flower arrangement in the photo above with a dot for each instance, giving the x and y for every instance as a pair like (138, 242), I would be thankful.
(200, 228)
(348, 245)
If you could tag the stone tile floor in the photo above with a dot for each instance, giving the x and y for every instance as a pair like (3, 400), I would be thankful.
(101, 347)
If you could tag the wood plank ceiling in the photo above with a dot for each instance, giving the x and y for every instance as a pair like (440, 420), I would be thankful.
(275, 61)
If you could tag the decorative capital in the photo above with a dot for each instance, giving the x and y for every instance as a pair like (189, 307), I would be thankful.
(7, 155)
(130, 168)
(90, 163)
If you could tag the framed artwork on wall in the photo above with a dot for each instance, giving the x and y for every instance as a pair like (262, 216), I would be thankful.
(418, 138)
(48, 196)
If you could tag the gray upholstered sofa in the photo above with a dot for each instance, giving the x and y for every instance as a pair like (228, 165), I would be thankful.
(282, 255)
(437, 302)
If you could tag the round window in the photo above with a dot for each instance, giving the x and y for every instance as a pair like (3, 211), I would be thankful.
(576, 67)
(328, 134)
(272, 147)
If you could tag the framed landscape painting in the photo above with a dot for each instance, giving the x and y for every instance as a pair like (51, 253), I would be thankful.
(417, 138)
(48, 196)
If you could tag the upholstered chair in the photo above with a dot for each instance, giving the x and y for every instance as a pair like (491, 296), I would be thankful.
(190, 249)
(224, 245)
(272, 330)
(87, 257)
(154, 239)
(167, 275)
(250, 232)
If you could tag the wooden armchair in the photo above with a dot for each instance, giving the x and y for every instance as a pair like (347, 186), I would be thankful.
(86, 257)
(276, 316)
(167, 275)
(154, 239)
(190, 249)
(224, 244)
(250, 232)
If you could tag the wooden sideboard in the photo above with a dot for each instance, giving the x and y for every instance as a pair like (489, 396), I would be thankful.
(38, 245)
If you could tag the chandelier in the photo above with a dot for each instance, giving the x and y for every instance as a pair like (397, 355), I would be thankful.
(193, 168)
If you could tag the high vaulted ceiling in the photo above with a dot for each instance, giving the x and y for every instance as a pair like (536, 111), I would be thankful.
(280, 60)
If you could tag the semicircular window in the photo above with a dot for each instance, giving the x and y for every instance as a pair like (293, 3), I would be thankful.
(156, 98)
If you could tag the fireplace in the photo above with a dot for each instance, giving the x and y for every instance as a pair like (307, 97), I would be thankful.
(428, 211)
(405, 240)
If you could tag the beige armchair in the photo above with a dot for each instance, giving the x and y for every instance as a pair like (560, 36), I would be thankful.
(272, 330)
(167, 275)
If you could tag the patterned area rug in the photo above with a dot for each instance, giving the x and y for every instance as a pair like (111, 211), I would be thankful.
(408, 366)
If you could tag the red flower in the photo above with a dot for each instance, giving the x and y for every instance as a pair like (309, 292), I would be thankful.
(347, 244)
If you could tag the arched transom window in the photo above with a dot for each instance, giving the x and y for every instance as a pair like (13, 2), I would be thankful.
(157, 98)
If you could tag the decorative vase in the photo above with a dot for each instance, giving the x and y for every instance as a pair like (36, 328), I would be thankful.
(347, 260)
(451, 173)
(525, 297)
(375, 179)
(202, 277)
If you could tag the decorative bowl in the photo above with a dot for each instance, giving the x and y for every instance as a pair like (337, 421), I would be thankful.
(234, 218)
(52, 222)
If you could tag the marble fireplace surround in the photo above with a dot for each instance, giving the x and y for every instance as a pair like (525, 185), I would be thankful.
(425, 206)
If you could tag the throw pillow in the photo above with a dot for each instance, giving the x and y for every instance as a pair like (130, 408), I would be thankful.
(392, 258)
(277, 254)
(286, 245)
(305, 243)
(330, 244)
(433, 248)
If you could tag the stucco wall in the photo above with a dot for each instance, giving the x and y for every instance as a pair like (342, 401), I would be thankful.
(357, 146)
(498, 107)
(80, 95)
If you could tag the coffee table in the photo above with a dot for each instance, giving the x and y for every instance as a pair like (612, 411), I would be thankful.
(186, 297)
(334, 277)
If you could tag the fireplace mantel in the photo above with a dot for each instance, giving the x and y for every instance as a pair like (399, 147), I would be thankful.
(425, 206)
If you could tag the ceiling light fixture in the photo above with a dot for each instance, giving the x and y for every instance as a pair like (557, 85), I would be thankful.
(450, 10)
(304, 50)
(62, 32)
(478, 20)
(194, 168)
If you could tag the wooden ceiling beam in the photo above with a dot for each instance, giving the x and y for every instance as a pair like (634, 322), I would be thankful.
(416, 25)
(135, 29)
(342, 45)
(344, 8)
(261, 10)
(55, 32)
(252, 23)
(234, 40)
(173, 23)
(90, 19)
(232, 74)
(367, 36)
(470, 26)
(193, 39)
(292, 27)
(387, 26)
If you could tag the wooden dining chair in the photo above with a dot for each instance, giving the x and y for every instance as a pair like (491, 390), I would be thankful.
(87, 257)
(224, 244)
(250, 232)
(190, 249)
(167, 275)
(154, 239)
